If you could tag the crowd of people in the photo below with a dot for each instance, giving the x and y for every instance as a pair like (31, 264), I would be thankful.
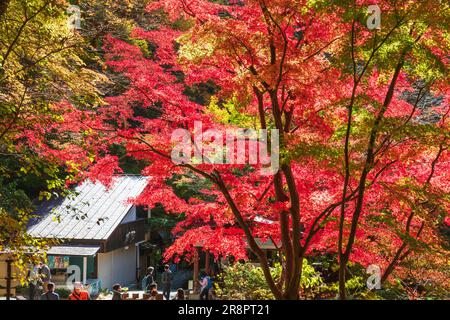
(150, 286)
(78, 292)
(40, 275)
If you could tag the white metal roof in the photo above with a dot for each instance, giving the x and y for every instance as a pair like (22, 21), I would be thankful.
(94, 212)
(82, 251)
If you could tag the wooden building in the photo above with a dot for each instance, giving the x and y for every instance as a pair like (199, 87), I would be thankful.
(101, 233)
(8, 272)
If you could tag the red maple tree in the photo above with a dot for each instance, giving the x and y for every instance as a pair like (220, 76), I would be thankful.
(364, 160)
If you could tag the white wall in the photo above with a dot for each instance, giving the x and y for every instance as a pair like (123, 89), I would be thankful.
(118, 266)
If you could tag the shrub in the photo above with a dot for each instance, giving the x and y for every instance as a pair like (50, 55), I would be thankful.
(246, 281)
(63, 293)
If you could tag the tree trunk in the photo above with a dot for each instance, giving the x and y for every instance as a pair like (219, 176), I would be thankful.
(292, 293)
(342, 274)
(344, 256)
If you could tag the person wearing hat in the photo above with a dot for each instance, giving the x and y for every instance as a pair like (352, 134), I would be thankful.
(148, 280)
(78, 293)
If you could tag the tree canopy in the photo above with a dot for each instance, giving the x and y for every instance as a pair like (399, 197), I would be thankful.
(362, 117)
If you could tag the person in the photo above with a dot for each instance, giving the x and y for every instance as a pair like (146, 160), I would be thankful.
(180, 294)
(205, 285)
(153, 294)
(78, 293)
(50, 294)
(148, 280)
(45, 275)
(152, 286)
(32, 277)
(117, 292)
(166, 280)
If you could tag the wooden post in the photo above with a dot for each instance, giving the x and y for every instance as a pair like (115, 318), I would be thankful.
(138, 263)
(84, 270)
(207, 263)
(96, 266)
(196, 270)
(8, 278)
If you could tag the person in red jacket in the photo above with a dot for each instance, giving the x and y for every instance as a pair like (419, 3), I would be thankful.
(78, 293)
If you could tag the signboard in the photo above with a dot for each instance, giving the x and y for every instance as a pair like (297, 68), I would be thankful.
(58, 262)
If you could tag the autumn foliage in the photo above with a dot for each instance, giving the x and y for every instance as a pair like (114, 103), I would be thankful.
(363, 117)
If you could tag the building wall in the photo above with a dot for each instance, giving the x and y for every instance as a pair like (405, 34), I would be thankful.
(4, 274)
(118, 266)
(79, 262)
